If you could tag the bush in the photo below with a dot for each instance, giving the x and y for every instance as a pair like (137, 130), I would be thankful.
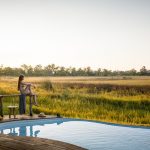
(47, 85)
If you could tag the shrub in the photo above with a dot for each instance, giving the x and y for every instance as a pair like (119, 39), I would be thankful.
(47, 85)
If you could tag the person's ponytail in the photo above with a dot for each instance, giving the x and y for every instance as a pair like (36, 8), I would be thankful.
(19, 81)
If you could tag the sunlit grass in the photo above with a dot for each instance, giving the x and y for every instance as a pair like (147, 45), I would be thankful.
(121, 101)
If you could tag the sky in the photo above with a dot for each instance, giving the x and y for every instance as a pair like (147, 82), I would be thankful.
(111, 34)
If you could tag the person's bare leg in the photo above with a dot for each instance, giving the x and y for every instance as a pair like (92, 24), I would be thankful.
(28, 88)
(35, 101)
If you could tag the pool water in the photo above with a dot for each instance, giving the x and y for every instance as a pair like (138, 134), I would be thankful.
(88, 134)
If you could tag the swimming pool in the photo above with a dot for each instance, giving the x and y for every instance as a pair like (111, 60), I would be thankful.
(88, 134)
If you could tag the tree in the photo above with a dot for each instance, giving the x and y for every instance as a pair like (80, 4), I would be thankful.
(53, 70)
(106, 72)
(99, 72)
(48, 70)
(25, 68)
(131, 72)
(88, 71)
(73, 72)
(143, 71)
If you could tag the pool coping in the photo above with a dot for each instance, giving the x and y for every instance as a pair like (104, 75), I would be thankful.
(36, 117)
(26, 117)
(111, 123)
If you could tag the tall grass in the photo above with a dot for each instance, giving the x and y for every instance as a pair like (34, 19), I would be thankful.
(117, 103)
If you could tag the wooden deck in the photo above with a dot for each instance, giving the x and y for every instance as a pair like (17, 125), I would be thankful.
(24, 117)
(30, 143)
(8, 142)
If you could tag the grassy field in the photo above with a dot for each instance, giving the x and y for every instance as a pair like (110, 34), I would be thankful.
(124, 100)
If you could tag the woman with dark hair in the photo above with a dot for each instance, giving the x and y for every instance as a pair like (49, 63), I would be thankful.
(25, 88)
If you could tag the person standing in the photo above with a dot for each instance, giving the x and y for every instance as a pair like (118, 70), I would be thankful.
(25, 89)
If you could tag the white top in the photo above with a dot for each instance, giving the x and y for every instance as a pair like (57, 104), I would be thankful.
(25, 88)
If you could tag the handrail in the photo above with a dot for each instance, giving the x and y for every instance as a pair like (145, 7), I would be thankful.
(14, 95)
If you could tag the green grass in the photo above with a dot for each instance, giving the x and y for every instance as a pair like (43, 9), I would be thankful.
(103, 99)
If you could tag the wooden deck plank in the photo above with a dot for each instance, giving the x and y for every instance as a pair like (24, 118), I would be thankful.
(31, 143)
(25, 117)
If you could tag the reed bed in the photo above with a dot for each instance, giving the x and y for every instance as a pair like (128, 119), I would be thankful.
(118, 100)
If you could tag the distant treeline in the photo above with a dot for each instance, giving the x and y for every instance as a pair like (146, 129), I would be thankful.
(53, 70)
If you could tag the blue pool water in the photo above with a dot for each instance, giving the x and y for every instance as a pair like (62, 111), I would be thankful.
(88, 134)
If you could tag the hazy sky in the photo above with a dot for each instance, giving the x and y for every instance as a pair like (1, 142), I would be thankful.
(112, 34)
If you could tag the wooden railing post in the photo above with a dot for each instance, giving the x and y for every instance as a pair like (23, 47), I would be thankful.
(1, 106)
(30, 105)
(14, 95)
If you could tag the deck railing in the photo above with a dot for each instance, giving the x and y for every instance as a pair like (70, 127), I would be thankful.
(2, 98)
